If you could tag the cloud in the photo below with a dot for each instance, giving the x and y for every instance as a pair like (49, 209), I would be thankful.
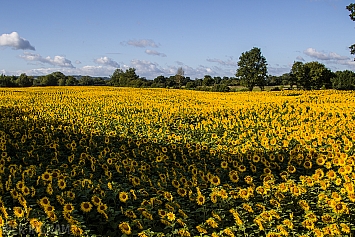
(107, 62)
(78, 62)
(141, 43)
(322, 56)
(153, 52)
(15, 41)
(56, 61)
(229, 62)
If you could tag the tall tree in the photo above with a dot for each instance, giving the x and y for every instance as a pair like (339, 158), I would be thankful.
(252, 69)
(351, 8)
(179, 77)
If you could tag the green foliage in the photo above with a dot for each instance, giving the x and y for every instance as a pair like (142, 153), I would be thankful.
(344, 80)
(252, 69)
(312, 75)
(220, 88)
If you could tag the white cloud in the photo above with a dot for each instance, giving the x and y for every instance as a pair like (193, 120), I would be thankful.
(55, 61)
(15, 41)
(323, 56)
(332, 58)
(153, 52)
(78, 62)
(107, 62)
(141, 43)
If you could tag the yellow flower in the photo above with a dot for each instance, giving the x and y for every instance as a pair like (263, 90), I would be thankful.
(68, 207)
(18, 212)
(76, 230)
(96, 200)
(211, 222)
(123, 196)
(86, 206)
(200, 200)
(125, 228)
(170, 216)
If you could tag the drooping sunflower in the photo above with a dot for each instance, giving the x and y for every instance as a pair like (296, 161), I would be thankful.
(96, 200)
(182, 192)
(76, 230)
(101, 208)
(125, 228)
(18, 212)
(86, 206)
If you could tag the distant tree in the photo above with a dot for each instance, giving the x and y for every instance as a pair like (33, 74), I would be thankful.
(312, 75)
(179, 76)
(344, 80)
(207, 80)
(86, 81)
(24, 81)
(7, 81)
(71, 81)
(252, 69)
(121, 78)
(49, 80)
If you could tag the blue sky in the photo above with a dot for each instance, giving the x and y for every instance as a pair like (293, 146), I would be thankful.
(157, 37)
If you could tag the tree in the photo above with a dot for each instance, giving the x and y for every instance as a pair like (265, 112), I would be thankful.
(24, 81)
(120, 78)
(179, 77)
(312, 75)
(351, 8)
(252, 69)
(344, 80)
(207, 80)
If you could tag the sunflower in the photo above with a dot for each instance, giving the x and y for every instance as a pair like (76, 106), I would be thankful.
(224, 164)
(86, 206)
(161, 213)
(182, 192)
(52, 216)
(96, 200)
(345, 228)
(248, 179)
(76, 230)
(46, 176)
(233, 176)
(123, 196)
(291, 169)
(20, 185)
(168, 196)
(62, 184)
(340, 207)
(307, 164)
(147, 215)
(44, 201)
(102, 208)
(200, 200)
(304, 205)
(18, 212)
(215, 180)
(68, 207)
(211, 222)
(175, 183)
(48, 208)
(125, 228)
(242, 168)
(14, 193)
(36, 224)
(170, 216)
(70, 195)
(26, 191)
(130, 214)
(331, 174)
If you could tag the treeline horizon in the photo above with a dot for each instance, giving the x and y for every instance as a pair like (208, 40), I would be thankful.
(307, 76)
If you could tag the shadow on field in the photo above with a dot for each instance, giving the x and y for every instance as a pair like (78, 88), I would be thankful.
(128, 163)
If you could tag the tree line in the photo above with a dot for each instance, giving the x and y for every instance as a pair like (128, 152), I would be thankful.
(252, 72)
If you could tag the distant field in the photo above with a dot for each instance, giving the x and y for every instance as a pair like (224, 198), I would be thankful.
(108, 161)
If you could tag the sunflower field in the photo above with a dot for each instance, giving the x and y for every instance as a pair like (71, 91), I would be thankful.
(104, 161)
